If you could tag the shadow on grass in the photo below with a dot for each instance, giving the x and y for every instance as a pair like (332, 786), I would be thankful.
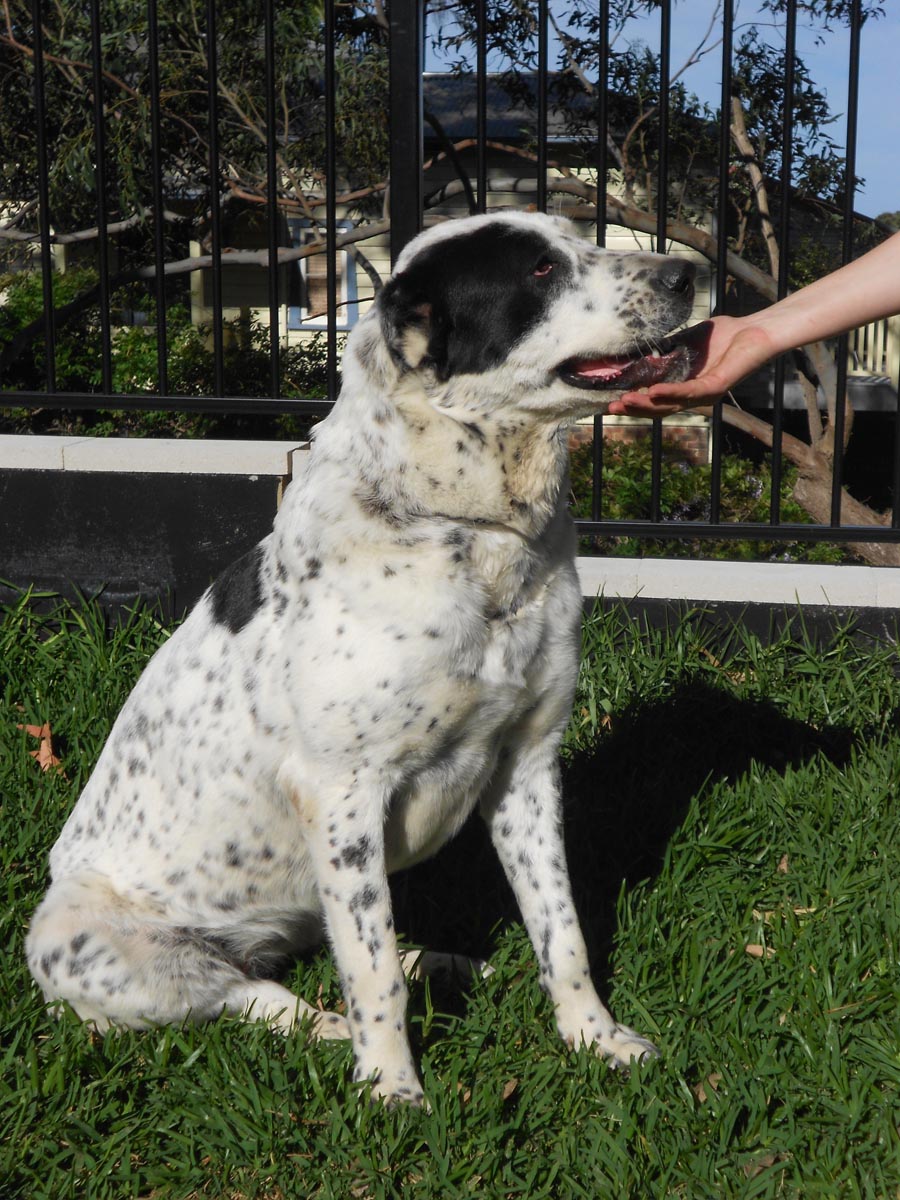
(624, 799)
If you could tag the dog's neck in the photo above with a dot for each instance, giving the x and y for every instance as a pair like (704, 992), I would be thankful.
(417, 461)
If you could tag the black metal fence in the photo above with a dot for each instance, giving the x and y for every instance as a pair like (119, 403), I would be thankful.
(163, 163)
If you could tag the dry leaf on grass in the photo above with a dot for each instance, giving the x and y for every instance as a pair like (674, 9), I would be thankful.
(44, 755)
(734, 676)
(712, 1082)
(508, 1088)
(755, 950)
(756, 1166)
(767, 916)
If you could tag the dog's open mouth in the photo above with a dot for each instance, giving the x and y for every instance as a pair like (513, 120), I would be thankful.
(673, 358)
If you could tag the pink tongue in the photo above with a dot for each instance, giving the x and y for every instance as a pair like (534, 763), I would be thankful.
(642, 370)
(604, 368)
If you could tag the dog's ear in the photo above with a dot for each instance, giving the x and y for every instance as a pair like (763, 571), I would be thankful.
(458, 305)
(407, 322)
(438, 331)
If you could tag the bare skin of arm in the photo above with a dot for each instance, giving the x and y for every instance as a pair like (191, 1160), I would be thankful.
(863, 291)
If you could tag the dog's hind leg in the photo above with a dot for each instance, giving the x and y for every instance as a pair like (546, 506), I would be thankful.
(117, 963)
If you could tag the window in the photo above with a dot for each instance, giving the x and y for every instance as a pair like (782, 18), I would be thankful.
(308, 300)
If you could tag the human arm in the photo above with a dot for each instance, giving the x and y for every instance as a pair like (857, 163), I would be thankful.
(860, 292)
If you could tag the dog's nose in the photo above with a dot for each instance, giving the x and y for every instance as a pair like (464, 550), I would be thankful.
(676, 276)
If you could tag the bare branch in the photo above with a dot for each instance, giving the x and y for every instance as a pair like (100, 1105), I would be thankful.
(19, 216)
(260, 258)
(750, 163)
(703, 47)
(89, 235)
(799, 453)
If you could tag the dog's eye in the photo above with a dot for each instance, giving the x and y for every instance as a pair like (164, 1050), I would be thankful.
(544, 267)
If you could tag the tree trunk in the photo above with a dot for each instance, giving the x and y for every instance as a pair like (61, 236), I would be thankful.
(812, 492)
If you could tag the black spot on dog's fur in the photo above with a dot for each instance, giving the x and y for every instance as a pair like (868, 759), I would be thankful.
(236, 595)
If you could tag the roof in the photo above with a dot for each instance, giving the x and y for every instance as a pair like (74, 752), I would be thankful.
(510, 104)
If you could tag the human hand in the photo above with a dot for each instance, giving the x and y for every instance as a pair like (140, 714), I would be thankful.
(736, 348)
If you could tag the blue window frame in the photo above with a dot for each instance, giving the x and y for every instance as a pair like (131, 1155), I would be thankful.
(308, 302)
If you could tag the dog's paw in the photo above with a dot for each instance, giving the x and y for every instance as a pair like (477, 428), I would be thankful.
(597, 1030)
(621, 1046)
(329, 1027)
(286, 1013)
(392, 1087)
(393, 1095)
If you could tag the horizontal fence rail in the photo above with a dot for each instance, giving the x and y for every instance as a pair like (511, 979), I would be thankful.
(197, 205)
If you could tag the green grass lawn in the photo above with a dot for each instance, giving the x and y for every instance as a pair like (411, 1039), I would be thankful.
(734, 833)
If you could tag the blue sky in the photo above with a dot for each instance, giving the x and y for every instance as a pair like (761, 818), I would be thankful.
(878, 131)
(878, 136)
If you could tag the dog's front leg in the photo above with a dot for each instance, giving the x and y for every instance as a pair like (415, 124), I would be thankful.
(344, 831)
(524, 815)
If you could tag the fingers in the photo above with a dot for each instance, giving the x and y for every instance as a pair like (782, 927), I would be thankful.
(664, 399)
(736, 349)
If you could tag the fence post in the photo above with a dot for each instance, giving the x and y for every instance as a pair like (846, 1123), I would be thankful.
(405, 55)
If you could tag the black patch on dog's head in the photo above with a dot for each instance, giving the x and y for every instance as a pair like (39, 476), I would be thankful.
(237, 593)
(472, 297)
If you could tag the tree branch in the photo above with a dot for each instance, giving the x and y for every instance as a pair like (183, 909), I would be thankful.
(89, 235)
(750, 163)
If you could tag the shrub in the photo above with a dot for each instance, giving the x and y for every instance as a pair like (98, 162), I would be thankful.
(135, 366)
(685, 489)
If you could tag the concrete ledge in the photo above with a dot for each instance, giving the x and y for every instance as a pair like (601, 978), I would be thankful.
(742, 583)
(148, 456)
(628, 579)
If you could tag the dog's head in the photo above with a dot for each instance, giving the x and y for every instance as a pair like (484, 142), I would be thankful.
(552, 320)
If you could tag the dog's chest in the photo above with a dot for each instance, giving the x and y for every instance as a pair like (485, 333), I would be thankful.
(403, 651)
(457, 723)
(453, 660)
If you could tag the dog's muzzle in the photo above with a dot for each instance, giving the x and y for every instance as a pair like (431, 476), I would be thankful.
(672, 358)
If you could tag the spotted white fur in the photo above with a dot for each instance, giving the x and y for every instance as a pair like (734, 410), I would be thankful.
(401, 649)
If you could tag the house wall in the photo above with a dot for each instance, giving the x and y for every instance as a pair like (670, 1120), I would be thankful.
(245, 287)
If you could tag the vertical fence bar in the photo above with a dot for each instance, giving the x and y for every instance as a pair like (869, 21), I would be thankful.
(481, 104)
(840, 408)
(405, 67)
(662, 173)
(542, 101)
(722, 201)
(212, 94)
(597, 469)
(330, 198)
(159, 245)
(602, 159)
(656, 458)
(272, 199)
(99, 120)
(602, 151)
(662, 205)
(40, 120)
(784, 229)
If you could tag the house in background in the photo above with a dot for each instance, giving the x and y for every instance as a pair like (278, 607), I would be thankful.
(511, 169)
(451, 156)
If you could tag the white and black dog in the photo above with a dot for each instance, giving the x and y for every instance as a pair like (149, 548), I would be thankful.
(402, 648)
